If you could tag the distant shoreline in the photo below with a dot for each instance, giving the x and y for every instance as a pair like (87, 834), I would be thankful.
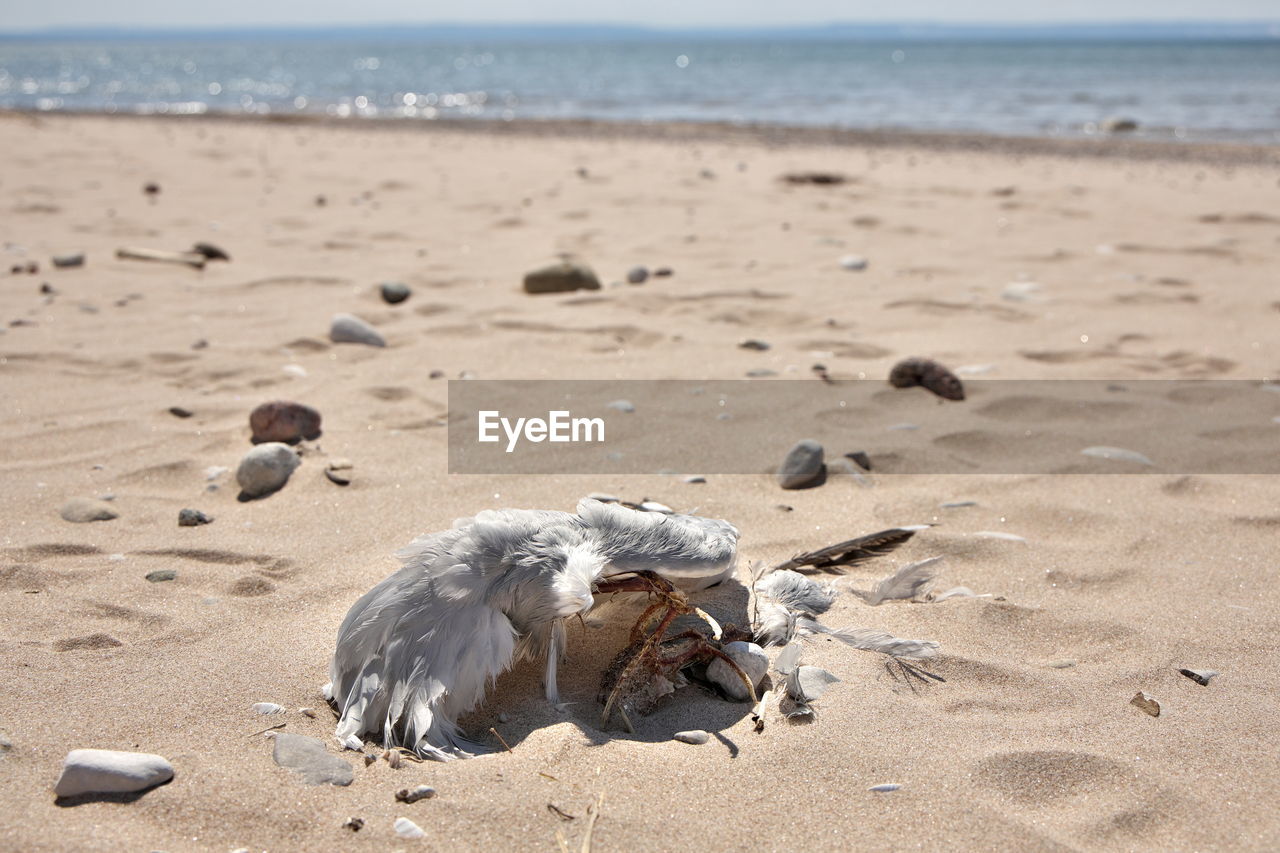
(1112, 146)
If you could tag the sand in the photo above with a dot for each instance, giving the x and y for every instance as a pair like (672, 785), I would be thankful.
(1150, 267)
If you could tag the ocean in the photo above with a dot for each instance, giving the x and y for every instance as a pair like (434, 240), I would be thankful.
(1174, 90)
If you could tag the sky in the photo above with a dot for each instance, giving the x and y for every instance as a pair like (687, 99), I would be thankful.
(24, 14)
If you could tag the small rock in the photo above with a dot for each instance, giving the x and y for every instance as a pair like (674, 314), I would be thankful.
(1118, 124)
(192, 518)
(105, 771)
(284, 420)
(622, 406)
(151, 188)
(337, 476)
(180, 412)
(210, 252)
(803, 465)
(82, 510)
(753, 344)
(394, 292)
(694, 478)
(412, 795)
(663, 272)
(47, 289)
(1146, 703)
(350, 329)
(67, 261)
(6, 745)
(694, 736)
(406, 828)
(928, 374)
(885, 788)
(355, 824)
(637, 275)
(563, 277)
(1200, 676)
(854, 263)
(861, 459)
(161, 575)
(266, 468)
(307, 757)
(957, 504)
(1065, 663)
(753, 661)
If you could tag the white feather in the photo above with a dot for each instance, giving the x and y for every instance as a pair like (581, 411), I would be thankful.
(906, 582)
(872, 640)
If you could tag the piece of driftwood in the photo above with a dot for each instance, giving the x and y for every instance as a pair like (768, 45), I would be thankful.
(191, 259)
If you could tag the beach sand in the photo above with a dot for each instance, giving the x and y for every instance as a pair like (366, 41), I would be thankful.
(1149, 267)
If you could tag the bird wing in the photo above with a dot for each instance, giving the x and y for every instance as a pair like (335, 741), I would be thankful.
(689, 550)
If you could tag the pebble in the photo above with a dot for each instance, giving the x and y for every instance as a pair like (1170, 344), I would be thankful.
(268, 708)
(406, 828)
(66, 261)
(621, 406)
(1118, 124)
(355, 824)
(928, 374)
(307, 757)
(695, 478)
(266, 468)
(1118, 454)
(886, 788)
(1065, 663)
(999, 534)
(693, 736)
(394, 292)
(663, 272)
(350, 329)
(192, 518)
(1146, 702)
(754, 344)
(855, 263)
(753, 661)
(957, 504)
(563, 277)
(161, 575)
(412, 795)
(82, 510)
(105, 771)
(637, 275)
(180, 412)
(338, 472)
(860, 458)
(1200, 676)
(803, 465)
(284, 420)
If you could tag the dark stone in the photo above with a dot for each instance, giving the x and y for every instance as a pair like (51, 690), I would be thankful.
(192, 518)
(210, 252)
(66, 261)
(394, 292)
(803, 465)
(161, 575)
(563, 277)
(862, 459)
(179, 412)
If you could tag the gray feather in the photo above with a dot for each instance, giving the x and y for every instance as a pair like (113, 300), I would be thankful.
(906, 582)
(871, 640)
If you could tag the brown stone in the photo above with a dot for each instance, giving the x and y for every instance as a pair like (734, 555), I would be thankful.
(283, 420)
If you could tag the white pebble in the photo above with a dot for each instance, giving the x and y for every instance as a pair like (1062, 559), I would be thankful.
(622, 406)
(105, 771)
(695, 736)
(854, 263)
(406, 828)
(750, 658)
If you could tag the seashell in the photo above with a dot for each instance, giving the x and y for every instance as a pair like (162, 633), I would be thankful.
(412, 795)
(1118, 454)
(268, 708)
(695, 736)
(1200, 676)
(1146, 703)
(885, 788)
(928, 374)
(406, 828)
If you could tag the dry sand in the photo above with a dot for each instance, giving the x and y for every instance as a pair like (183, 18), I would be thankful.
(1149, 268)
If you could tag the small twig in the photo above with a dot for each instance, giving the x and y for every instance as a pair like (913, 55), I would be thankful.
(593, 813)
(494, 732)
(559, 812)
(269, 729)
(548, 776)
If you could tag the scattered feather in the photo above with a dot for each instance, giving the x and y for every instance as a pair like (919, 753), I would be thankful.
(788, 660)
(794, 591)
(906, 582)
(775, 625)
(836, 557)
(957, 592)
(871, 640)
(1118, 454)
(268, 708)
(807, 684)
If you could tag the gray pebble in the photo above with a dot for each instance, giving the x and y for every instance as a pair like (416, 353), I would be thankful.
(104, 771)
(266, 468)
(307, 757)
(754, 344)
(160, 575)
(412, 795)
(753, 661)
(637, 275)
(350, 329)
(192, 518)
(803, 465)
(82, 510)
(563, 277)
(66, 261)
(695, 478)
(694, 736)
(394, 292)
(854, 263)
(957, 504)
(860, 458)
(622, 406)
